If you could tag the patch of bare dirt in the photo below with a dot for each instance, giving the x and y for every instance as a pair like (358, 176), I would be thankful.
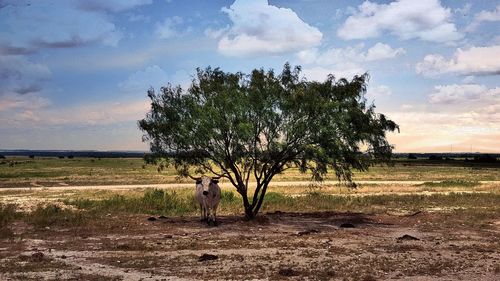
(277, 246)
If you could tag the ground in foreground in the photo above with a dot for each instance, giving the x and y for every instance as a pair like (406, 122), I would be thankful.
(451, 245)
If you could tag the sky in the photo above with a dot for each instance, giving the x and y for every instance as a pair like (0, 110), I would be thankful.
(74, 73)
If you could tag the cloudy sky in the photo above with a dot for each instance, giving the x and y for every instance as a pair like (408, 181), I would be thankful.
(74, 73)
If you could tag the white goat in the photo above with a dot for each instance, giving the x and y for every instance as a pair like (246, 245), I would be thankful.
(208, 196)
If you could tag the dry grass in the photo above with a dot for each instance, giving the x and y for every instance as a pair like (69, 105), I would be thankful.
(90, 171)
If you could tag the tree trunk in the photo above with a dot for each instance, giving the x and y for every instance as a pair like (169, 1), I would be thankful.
(260, 200)
(246, 204)
(251, 210)
(249, 214)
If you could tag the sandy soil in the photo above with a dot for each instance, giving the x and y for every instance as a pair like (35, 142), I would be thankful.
(276, 246)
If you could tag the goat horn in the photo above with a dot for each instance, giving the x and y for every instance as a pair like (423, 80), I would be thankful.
(216, 178)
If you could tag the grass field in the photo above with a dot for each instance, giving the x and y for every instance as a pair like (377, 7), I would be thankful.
(451, 216)
(22, 171)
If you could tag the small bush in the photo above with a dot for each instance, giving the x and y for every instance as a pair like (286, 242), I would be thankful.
(46, 216)
(154, 199)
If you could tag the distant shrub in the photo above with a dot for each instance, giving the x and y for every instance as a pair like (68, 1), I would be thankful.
(71, 156)
(435, 157)
(485, 159)
(31, 156)
(2, 157)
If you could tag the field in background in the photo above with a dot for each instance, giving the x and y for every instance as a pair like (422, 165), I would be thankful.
(451, 219)
(23, 171)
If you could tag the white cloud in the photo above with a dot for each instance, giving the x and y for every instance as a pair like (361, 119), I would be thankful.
(469, 95)
(259, 28)
(437, 131)
(169, 27)
(476, 60)
(320, 73)
(343, 62)
(355, 54)
(462, 115)
(382, 51)
(21, 76)
(484, 16)
(216, 33)
(407, 19)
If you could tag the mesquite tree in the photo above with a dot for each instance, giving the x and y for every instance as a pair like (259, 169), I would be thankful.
(248, 128)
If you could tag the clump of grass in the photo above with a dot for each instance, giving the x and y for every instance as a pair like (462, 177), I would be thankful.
(452, 183)
(154, 201)
(326, 202)
(182, 202)
(53, 215)
(7, 215)
(227, 197)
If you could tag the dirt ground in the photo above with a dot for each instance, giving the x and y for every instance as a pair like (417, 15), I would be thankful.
(276, 246)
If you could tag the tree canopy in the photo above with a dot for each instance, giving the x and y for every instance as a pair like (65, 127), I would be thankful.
(250, 127)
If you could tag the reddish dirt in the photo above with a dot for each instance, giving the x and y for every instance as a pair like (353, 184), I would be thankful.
(277, 246)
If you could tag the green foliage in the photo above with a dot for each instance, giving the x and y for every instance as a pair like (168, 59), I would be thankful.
(258, 125)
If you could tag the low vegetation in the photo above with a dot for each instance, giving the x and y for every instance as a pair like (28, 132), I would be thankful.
(21, 171)
(452, 183)
(77, 210)
(153, 233)
(7, 215)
